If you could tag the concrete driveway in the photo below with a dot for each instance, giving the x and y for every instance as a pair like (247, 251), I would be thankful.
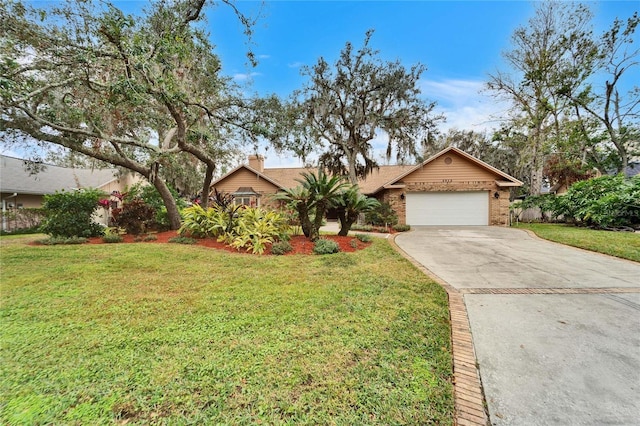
(556, 330)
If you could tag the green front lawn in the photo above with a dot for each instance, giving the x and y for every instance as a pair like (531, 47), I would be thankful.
(620, 244)
(171, 334)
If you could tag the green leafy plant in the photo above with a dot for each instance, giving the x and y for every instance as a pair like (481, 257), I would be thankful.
(325, 246)
(255, 229)
(281, 247)
(201, 223)
(150, 237)
(607, 201)
(401, 228)
(69, 213)
(547, 203)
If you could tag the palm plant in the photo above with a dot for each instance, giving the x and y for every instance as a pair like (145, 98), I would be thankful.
(325, 191)
(316, 194)
(300, 199)
(350, 205)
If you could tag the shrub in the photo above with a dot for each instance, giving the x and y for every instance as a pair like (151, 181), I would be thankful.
(149, 194)
(203, 223)
(112, 238)
(255, 229)
(52, 241)
(354, 243)
(69, 213)
(401, 228)
(281, 247)
(364, 238)
(182, 240)
(382, 215)
(324, 246)
(607, 201)
(150, 237)
(135, 216)
(364, 228)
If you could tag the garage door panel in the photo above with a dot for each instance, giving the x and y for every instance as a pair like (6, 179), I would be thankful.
(447, 208)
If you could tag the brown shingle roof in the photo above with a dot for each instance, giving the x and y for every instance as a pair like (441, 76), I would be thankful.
(286, 177)
(375, 181)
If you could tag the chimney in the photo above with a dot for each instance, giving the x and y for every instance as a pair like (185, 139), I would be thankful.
(256, 162)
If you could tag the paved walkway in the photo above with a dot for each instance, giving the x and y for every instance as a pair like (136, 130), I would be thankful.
(554, 330)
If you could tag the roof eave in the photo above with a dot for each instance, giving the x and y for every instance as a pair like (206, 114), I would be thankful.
(252, 170)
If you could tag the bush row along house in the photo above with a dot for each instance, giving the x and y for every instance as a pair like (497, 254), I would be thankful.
(450, 188)
(21, 189)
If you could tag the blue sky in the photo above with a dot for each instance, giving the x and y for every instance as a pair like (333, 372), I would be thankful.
(460, 42)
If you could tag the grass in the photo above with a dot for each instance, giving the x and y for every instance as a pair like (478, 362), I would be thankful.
(620, 244)
(174, 334)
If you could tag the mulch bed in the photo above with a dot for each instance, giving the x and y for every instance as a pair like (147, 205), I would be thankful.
(300, 244)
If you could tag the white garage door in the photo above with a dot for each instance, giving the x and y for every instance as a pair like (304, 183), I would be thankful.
(448, 208)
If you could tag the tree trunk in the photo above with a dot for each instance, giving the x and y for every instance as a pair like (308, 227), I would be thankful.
(353, 177)
(321, 209)
(305, 222)
(169, 203)
(346, 222)
(206, 186)
(345, 226)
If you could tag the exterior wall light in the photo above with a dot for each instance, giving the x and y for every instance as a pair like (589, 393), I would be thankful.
(496, 195)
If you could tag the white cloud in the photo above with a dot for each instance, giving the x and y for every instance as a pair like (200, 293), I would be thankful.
(273, 160)
(264, 56)
(295, 64)
(245, 76)
(464, 104)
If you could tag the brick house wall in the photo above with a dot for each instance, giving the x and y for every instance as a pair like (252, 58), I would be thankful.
(451, 172)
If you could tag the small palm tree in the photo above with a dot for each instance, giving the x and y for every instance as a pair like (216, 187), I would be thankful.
(350, 204)
(300, 199)
(325, 191)
(316, 194)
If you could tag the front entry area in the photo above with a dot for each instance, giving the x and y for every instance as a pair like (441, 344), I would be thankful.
(448, 208)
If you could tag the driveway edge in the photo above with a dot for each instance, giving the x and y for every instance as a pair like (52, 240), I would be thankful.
(469, 400)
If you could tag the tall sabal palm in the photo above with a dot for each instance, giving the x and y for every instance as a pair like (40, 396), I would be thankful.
(350, 204)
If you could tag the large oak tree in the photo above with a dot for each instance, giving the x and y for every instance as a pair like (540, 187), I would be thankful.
(132, 91)
(344, 107)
